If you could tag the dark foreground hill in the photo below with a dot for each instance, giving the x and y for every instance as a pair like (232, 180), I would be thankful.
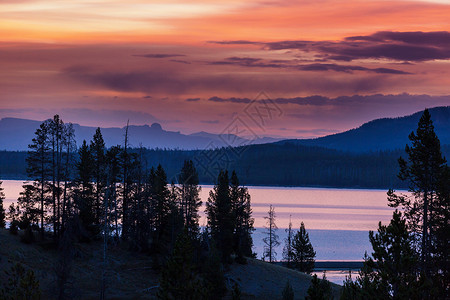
(130, 275)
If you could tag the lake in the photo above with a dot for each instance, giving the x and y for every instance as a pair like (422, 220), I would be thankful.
(337, 220)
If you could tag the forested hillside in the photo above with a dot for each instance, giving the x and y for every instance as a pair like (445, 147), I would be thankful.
(382, 134)
(288, 164)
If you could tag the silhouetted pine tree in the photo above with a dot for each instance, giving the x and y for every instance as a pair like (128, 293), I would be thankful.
(2, 209)
(393, 271)
(113, 178)
(440, 226)
(39, 170)
(427, 211)
(303, 251)
(287, 249)
(213, 274)
(271, 239)
(180, 278)
(220, 217)
(320, 289)
(69, 157)
(27, 207)
(422, 171)
(56, 142)
(84, 192)
(126, 184)
(396, 260)
(243, 221)
(98, 149)
(21, 284)
(190, 201)
(163, 209)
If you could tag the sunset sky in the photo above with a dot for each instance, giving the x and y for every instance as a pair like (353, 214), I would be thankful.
(325, 65)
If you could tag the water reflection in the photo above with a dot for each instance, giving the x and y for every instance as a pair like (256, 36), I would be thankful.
(338, 220)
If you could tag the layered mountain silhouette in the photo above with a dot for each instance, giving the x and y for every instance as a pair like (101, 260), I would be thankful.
(382, 134)
(377, 135)
(16, 134)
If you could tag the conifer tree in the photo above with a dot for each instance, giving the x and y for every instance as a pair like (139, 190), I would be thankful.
(440, 227)
(56, 139)
(84, 191)
(303, 251)
(39, 170)
(180, 278)
(271, 239)
(220, 218)
(396, 260)
(2, 209)
(213, 274)
(243, 221)
(26, 206)
(367, 285)
(113, 177)
(69, 163)
(98, 149)
(163, 208)
(423, 171)
(190, 201)
(320, 289)
(287, 250)
(126, 184)
(22, 284)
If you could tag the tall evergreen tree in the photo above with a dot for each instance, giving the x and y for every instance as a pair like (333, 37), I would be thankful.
(112, 205)
(69, 163)
(180, 278)
(440, 240)
(287, 250)
(243, 221)
(2, 209)
(126, 184)
(393, 271)
(303, 251)
(395, 258)
(220, 218)
(271, 240)
(190, 201)
(320, 289)
(98, 150)
(56, 134)
(39, 169)
(27, 205)
(422, 171)
(163, 209)
(84, 191)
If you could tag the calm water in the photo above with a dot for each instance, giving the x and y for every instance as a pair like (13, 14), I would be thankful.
(338, 220)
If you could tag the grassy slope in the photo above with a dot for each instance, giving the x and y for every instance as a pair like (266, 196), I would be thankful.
(130, 274)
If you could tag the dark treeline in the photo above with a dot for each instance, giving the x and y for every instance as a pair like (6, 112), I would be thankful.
(94, 193)
(269, 164)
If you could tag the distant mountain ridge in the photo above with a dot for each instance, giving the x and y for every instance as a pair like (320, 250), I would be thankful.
(16, 134)
(382, 134)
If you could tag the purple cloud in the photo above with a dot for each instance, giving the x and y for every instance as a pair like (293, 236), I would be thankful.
(158, 55)
(210, 121)
(283, 64)
(402, 46)
(232, 100)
